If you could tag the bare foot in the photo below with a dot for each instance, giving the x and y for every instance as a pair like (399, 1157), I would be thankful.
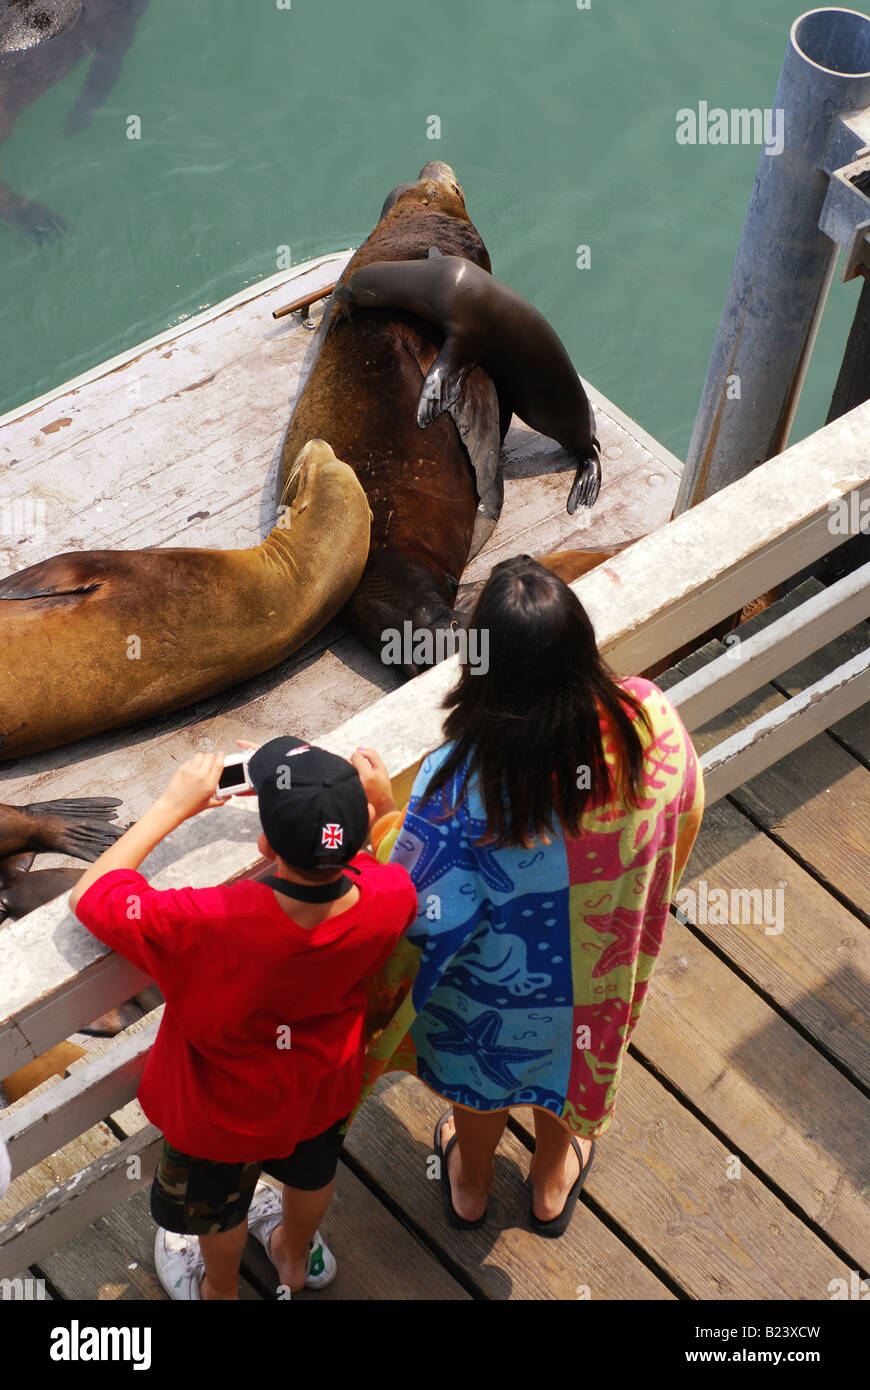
(550, 1194)
(291, 1273)
(468, 1203)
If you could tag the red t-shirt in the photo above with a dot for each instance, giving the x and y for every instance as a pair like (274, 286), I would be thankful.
(241, 981)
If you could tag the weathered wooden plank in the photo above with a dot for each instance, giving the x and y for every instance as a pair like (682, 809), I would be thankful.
(53, 1171)
(763, 1085)
(377, 1257)
(76, 1202)
(816, 799)
(770, 739)
(392, 1140)
(818, 967)
(664, 1177)
(854, 730)
(775, 646)
(113, 1259)
(92, 980)
(95, 1087)
(184, 424)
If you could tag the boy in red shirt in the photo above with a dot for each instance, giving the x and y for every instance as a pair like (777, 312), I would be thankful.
(258, 1060)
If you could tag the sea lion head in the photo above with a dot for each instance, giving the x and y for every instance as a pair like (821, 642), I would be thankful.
(435, 186)
(313, 459)
(364, 288)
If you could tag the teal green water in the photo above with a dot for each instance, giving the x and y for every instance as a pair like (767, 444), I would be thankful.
(264, 127)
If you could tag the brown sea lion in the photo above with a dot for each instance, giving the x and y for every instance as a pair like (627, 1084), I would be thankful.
(52, 1063)
(96, 639)
(436, 494)
(489, 325)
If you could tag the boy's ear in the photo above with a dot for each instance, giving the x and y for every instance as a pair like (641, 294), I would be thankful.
(264, 847)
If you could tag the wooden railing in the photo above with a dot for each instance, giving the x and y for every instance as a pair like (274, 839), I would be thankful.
(648, 601)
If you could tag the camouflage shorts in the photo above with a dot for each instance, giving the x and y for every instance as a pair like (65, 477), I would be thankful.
(199, 1197)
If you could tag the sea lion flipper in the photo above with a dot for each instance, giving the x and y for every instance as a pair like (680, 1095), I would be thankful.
(586, 485)
(488, 513)
(443, 385)
(476, 417)
(15, 864)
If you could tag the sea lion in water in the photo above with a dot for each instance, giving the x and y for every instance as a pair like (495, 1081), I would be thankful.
(435, 495)
(489, 325)
(40, 42)
(95, 639)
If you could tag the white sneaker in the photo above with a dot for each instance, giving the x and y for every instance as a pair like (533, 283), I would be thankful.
(179, 1262)
(266, 1213)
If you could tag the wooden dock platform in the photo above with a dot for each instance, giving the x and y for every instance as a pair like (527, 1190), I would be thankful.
(177, 443)
(736, 1166)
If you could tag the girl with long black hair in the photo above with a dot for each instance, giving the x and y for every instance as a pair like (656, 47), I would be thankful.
(545, 839)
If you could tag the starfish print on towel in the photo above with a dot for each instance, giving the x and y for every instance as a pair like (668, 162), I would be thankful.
(441, 853)
(478, 1040)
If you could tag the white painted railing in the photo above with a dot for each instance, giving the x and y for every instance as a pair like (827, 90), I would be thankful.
(648, 601)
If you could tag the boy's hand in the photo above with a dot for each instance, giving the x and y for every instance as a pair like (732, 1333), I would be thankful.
(376, 782)
(244, 744)
(193, 786)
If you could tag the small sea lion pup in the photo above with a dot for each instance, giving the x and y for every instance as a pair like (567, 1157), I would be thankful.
(487, 324)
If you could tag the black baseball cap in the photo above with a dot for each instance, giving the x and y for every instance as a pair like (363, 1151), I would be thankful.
(313, 809)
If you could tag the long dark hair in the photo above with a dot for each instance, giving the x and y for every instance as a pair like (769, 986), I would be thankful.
(528, 725)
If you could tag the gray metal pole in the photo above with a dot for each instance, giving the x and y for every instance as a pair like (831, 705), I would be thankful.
(784, 263)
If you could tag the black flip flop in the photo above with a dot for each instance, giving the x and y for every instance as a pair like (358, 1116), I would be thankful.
(559, 1224)
(453, 1217)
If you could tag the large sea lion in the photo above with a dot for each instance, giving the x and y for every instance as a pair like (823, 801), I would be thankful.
(40, 42)
(489, 325)
(92, 640)
(436, 494)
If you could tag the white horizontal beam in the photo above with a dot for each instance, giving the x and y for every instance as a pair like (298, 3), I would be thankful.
(95, 1089)
(748, 664)
(791, 724)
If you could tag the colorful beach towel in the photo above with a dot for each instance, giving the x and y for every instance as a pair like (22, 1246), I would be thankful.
(525, 972)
